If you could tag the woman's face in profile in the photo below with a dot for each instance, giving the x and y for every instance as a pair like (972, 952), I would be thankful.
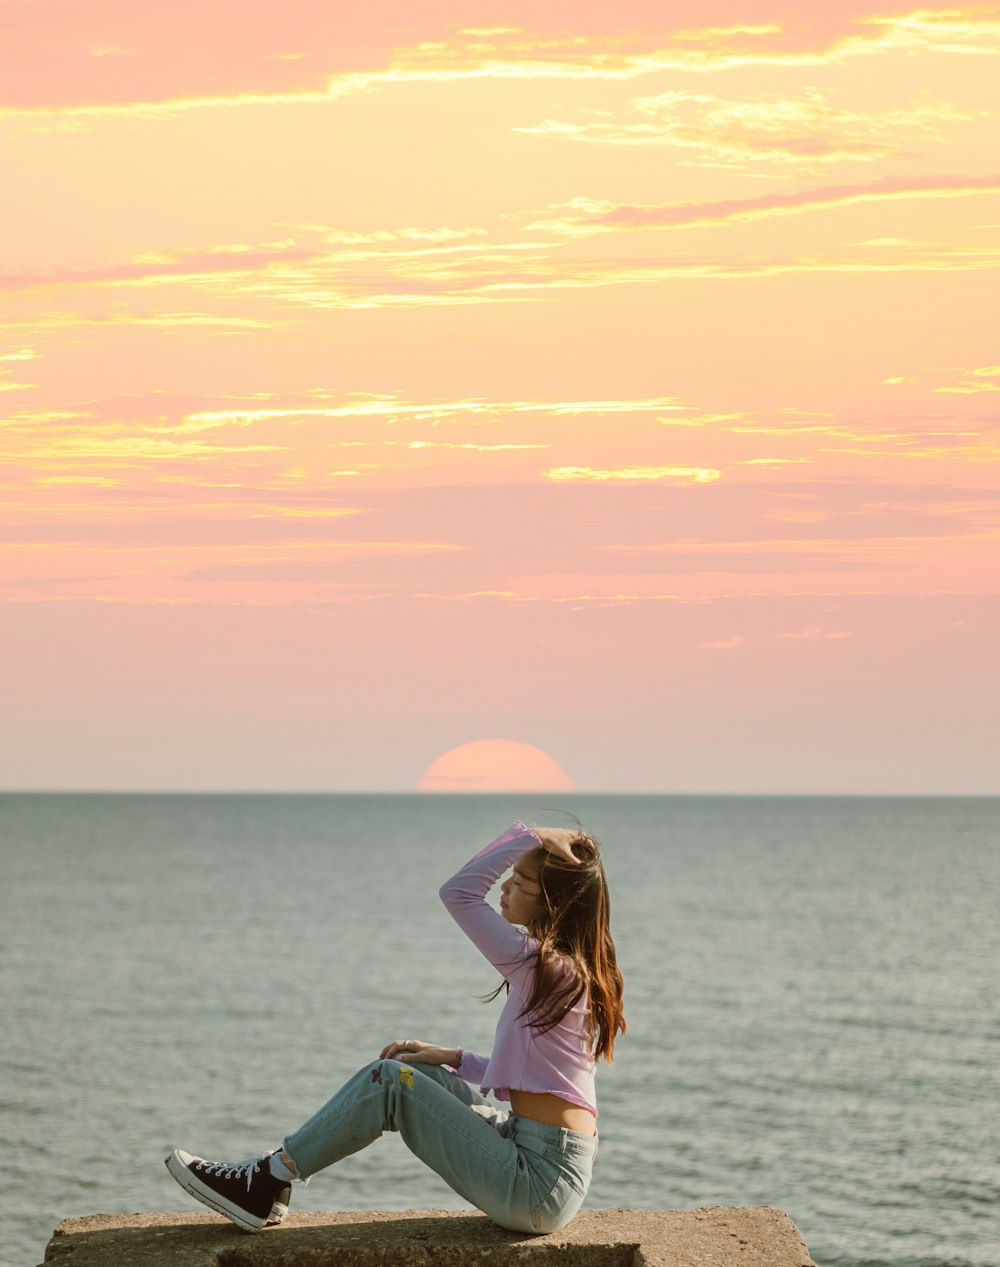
(520, 895)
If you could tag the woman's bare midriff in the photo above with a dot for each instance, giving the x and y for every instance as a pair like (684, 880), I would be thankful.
(553, 1110)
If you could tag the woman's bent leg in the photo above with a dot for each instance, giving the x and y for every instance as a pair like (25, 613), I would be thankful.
(452, 1130)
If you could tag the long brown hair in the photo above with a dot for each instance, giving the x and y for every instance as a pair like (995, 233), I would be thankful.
(574, 923)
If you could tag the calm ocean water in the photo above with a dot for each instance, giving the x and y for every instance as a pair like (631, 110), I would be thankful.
(810, 989)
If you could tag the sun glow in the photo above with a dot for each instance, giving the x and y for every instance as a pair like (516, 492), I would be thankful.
(495, 765)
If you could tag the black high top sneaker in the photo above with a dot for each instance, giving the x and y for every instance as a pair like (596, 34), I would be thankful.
(243, 1191)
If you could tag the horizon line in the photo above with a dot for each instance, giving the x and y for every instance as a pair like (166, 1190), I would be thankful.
(523, 792)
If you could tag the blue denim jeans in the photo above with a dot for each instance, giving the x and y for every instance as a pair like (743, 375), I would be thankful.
(525, 1175)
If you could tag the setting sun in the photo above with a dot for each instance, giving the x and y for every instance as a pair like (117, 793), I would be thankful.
(495, 765)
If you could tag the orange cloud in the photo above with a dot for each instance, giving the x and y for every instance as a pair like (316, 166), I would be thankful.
(804, 132)
(984, 379)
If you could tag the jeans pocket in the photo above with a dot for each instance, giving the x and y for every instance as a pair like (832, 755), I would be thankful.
(560, 1203)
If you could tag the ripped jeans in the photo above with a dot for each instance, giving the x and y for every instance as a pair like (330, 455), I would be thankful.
(525, 1175)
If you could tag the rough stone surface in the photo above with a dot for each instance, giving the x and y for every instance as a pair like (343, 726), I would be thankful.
(714, 1236)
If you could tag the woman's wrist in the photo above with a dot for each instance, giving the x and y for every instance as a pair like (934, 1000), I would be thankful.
(457, 1062)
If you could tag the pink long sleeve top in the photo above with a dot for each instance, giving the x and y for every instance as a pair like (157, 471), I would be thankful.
(560, 1061)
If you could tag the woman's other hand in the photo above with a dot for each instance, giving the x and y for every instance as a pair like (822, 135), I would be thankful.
(417, 1053)
(558, 840)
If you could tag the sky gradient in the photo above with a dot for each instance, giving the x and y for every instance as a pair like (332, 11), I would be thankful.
(615, 379)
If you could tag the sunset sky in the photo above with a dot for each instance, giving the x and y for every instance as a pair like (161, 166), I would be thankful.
(619, 379)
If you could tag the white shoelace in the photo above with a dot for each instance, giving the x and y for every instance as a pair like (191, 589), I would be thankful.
(232, 1170)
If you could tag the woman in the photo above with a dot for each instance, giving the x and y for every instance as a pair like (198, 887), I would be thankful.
(528, 1170)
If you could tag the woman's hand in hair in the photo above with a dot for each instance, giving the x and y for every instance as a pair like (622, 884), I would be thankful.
(558, 840)
(417, 1053)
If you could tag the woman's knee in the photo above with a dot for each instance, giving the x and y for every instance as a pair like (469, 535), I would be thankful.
(381, 1071)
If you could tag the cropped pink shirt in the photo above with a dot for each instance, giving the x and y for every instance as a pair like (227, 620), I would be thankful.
(560, 1061)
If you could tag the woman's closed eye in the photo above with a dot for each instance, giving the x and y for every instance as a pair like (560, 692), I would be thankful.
(526, 886)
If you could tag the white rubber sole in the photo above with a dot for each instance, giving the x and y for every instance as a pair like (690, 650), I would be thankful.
(191, 1184)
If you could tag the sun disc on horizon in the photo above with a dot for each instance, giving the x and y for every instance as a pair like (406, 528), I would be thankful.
(495, 765)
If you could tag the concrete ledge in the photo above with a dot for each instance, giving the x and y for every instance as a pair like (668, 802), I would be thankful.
(714, 1236)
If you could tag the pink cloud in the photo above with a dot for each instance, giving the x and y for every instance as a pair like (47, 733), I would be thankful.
(815, 632)
(63, 53)
(671, 215)
(181, 264)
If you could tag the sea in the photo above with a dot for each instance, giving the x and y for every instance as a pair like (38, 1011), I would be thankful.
(810, 990)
